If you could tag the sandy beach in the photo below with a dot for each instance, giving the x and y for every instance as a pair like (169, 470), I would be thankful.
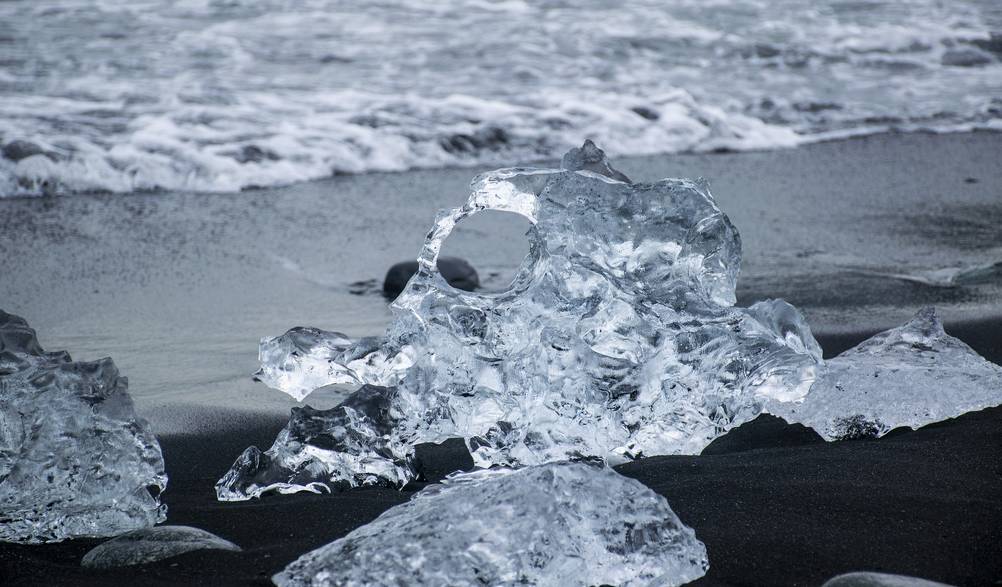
(179, 287)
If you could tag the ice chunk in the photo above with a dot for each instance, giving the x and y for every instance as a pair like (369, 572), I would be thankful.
(911, 376)
(555, 524)
(75, 460)
(351, 442)
(617, 338)
(153, 544)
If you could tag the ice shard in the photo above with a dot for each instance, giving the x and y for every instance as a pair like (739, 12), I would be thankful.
(911, 376)
(75, 460)
(149, 545)
(554, 524)
(617, 338)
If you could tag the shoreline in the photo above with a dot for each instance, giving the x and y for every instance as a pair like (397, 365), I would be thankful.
(179, 288)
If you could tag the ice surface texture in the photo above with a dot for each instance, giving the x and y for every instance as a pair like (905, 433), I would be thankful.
(555, 524)
(617, 338)
(153, 544)
(912, 375)
(74, 458)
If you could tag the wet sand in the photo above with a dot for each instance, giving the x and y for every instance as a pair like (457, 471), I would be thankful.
(179, 288)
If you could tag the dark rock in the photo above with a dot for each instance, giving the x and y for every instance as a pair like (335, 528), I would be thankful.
(490, 138)
(879, 580)
(591, 158)
(17, 150)
(993, 44)
(459, 273)
(966, 57)
(645, 112)
(255, 154)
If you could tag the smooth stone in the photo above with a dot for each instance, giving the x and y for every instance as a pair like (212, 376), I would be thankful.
(864, 579)
(966, 57)
(18, 149)
(152, 544)
(458, 272)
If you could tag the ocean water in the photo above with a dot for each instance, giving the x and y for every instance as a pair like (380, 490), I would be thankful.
(225, 95)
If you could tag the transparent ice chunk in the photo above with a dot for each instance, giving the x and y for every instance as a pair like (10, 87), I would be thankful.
(555, 524)
(911, 376)
(153, 544)
(617, 338)
(75, 460)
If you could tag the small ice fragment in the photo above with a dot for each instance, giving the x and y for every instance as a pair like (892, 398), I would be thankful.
(865, 579)
(618, 338)
(591, 158)
(912, 375)
(75, 460)
(556, 524)
(352, 442)
(153, 544)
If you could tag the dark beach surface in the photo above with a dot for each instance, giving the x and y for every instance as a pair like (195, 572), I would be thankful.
(178, 288)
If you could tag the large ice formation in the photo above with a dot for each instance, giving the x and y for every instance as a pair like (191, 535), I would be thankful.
(75, 460)
(912, 375)
(153, 544)
(617, 338)
(554, 524)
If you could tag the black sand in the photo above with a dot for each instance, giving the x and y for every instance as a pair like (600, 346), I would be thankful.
(774, 504)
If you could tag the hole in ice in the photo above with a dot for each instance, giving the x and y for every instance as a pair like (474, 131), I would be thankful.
(494, 243)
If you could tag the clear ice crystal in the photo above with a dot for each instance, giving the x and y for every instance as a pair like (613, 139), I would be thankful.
(554, 524)
(153, 544)
(912, 375)
(618, 338)
(75, 460)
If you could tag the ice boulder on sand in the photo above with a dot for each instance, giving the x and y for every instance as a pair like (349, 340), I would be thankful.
(618, 338)
(74, 458)
(911, 376)
(555, 524)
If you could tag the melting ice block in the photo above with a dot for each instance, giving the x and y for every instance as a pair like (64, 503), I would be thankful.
(912, 375)
(74, 458)
(555, 524)
(618, 338)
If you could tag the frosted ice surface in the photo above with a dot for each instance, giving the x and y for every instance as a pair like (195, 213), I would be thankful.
(618, 338)
(911, 376)
(75, 460)
(555, 524)
(152, 544)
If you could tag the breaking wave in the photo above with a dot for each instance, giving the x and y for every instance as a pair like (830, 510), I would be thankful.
(224, 95)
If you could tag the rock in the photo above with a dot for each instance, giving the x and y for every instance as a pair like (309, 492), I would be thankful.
(18, 149)
(879, 580)
(153, 544)
(966, 57)
(458, 272)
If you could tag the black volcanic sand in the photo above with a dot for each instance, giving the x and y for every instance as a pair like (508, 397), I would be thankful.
(774, 504)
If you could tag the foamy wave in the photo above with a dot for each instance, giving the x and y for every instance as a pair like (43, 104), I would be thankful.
(269, 141)
(204, 95)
